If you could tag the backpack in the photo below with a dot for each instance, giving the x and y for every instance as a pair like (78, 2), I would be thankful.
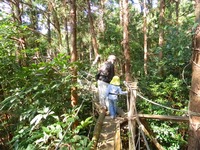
(104, 70)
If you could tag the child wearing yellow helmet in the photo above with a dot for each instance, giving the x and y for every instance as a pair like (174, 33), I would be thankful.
(103, 77)
(112, 93)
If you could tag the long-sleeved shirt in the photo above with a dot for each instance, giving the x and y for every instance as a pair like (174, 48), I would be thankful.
(113, 91)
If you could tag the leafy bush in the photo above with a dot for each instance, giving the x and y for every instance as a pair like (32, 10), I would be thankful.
(39, 98)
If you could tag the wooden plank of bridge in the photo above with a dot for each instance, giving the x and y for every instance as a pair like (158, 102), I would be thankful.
(109, 138)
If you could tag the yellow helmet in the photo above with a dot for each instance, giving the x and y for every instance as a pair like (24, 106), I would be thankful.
(115, 80)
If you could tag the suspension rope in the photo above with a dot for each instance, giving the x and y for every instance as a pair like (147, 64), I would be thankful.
(183, 72)
(185, 111)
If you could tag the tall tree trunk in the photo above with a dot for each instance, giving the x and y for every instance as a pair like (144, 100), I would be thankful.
(92, 31)
(126, 48)
(67, 35)
(17, 9)
(66, 18)
(194, 131)
(34, 24)
(74, 96)
(49, 27)
(126, 40)
(121, 24)
(121, 12)
(161, 33)
(50, 53)
(56, 24)
(145, 36)
(101, 21)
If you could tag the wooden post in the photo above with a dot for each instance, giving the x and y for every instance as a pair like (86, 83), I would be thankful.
(118, 144)
(154, 140)
(97, 130)
(131, 113)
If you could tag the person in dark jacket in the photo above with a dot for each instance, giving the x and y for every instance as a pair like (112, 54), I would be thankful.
(104, 76)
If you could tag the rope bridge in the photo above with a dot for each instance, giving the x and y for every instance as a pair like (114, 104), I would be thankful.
(107, 132)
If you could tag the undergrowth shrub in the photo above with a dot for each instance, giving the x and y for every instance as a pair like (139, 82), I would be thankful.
(38, 96)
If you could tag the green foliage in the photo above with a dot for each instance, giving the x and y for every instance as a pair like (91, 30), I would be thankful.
(169, 135)
(171, 97)
(39, 96)
(46, 130)
(170, 92)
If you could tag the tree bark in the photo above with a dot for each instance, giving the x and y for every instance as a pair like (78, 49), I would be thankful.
(92, 31)
(34, 24)
(56, 24)
(17, 10)
(101, 21)
(121, 24)
(126, 40)
(74, 96)
(194, 119)
(121, 12)
(145, 37)
(66, 20)
(161, 33)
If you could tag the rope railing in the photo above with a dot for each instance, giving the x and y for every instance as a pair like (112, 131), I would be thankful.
(131, 86)
(163, 106)
(187, 112)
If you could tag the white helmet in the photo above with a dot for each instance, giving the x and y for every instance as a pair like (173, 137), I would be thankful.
(111, 57)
